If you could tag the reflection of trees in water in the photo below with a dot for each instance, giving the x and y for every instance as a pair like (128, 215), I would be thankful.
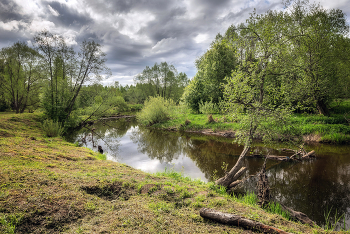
(210, 155)
(312, 187)
(160, 145)
(106, 132)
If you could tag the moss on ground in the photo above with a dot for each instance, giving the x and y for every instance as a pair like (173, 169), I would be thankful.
(51, 186)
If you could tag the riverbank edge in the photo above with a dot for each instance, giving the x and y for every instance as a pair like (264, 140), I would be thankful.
(198, 124)
(49, 185)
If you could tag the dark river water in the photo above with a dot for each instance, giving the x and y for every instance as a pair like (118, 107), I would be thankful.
(312, 187)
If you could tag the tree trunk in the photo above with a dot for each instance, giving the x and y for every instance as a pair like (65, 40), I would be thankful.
(236, 220)
(322, 108)
(229, 177)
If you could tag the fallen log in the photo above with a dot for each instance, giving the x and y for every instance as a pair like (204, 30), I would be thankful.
(311, 154)
(239, 174)
(234, 184)
(239, 221)
(298, 216)
(228, 178)
(278, 158)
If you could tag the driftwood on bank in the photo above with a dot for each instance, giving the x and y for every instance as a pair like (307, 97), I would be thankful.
(298, 216)
(236, 220)
(231, 175)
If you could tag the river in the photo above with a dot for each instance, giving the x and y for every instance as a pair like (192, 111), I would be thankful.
(313, 187)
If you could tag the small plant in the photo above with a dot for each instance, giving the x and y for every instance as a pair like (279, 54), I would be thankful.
(9, 223)
(161, 207)
(51, 128)
(186, 194)
(90, 206)
(331, 225)
(275, 208)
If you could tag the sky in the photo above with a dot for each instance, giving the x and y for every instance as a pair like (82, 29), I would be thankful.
(135, 33)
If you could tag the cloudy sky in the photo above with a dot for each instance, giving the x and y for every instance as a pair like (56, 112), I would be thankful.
(135, 33)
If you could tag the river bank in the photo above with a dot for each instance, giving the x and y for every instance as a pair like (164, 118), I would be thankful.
(49, 185)
(310, 128)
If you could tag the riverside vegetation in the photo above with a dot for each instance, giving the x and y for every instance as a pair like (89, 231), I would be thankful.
(334, 129)
(51, 186)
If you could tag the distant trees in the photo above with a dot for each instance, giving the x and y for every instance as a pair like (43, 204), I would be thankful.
(160, 80)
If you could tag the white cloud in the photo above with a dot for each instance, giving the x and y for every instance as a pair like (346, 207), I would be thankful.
(38, 25)
(165, 45)
(201, 38)
(12, 25)
(53, 11)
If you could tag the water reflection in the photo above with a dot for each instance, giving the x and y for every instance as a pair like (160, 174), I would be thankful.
(312, 187)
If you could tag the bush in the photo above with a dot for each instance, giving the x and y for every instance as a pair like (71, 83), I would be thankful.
(156, 109)
(208, 107)
(51, 128)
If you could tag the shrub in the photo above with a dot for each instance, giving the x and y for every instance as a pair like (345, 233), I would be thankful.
(156, 109)
(51, 128)
(208, 107)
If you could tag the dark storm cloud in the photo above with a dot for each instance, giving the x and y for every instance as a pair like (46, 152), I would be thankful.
(9, 11)
(122, 6)
(67, 17)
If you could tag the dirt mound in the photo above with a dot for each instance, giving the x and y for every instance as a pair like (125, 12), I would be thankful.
(110, 191)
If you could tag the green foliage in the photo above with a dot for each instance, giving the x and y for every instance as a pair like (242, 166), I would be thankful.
(208, 107)
(20, 77)
(337, 138)
(52, 128)
(162, 80)
(207, 85)
(332, 222)
(276, 208)
(156, 109)
(67, 72)
(9, 223)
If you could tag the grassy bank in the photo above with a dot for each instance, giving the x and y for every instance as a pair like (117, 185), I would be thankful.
(51, 186)
(314, 128)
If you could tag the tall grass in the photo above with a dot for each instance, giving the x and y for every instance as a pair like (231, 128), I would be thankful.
(52, 128)
(332, 222)
(276, 208)
(208, 107)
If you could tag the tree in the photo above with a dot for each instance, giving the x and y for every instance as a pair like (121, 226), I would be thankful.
(217, 63)
(251, 90)
(67, 72)
(319, 50)
(21, 76)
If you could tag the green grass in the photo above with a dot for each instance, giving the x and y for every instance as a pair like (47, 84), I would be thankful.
(334, 129)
